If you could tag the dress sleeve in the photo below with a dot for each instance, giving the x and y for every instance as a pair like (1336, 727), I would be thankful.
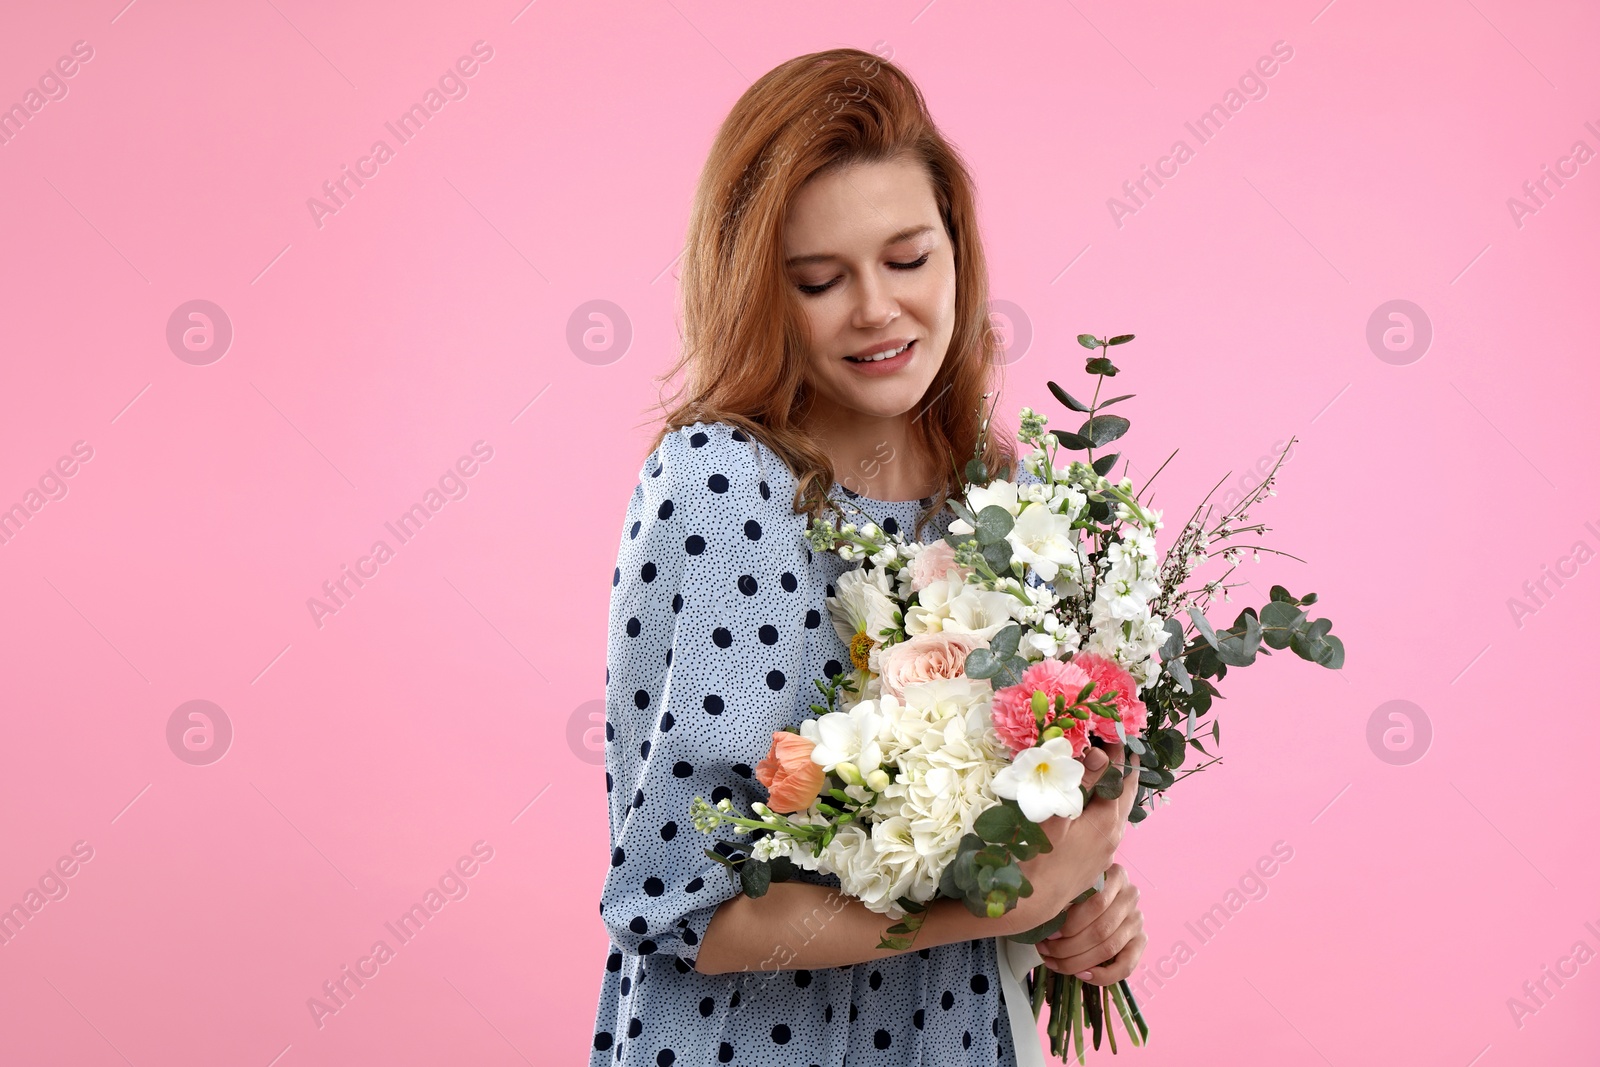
(705, 655)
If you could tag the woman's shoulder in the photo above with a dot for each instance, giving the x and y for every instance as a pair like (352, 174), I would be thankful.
(716, 457)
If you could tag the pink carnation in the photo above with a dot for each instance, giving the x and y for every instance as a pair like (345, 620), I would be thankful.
(1109, 675)
(1012, 707)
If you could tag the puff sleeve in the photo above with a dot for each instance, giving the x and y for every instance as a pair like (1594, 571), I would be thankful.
(705, 654)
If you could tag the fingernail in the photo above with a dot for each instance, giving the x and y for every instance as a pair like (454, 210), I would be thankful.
(1086, 975)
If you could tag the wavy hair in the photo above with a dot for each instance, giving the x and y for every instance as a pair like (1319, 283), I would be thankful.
(743, 330)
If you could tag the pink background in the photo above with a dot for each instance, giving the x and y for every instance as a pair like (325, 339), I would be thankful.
(450, 693)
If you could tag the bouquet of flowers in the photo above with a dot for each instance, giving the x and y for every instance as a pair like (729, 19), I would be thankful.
(983, 666)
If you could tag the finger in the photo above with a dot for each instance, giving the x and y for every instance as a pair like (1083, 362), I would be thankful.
(1099, 940)
(1095, 763)
(1130, 789)
(1102, 943)
(1119, 966)
(1082, 914)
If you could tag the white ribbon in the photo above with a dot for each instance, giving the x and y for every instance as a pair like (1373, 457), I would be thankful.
(1016, 959)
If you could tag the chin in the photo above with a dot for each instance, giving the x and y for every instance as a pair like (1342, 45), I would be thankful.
(884, 404)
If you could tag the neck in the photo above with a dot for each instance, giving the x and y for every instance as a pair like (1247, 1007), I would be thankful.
(876, 456)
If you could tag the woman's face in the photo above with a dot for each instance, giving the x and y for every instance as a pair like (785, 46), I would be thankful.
(869, 255)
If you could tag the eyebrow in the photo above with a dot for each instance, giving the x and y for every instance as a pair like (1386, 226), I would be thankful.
(818, 257)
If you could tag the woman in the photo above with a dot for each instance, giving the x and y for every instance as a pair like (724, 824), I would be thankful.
(838, 345)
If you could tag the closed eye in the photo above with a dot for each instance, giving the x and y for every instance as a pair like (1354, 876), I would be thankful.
(813, 290)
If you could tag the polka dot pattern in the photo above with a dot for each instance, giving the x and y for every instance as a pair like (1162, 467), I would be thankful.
(714, 578)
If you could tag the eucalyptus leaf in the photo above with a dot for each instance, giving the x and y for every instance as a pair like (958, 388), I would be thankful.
(982, 663)
(754, 877)
(998, 823)
(1066, 398)
(1114, 400)
(1103, 465)
(1203, 624)
(999, 556)
(976, 472)
(1071, 440)
(1004, 642)
(1120, 339)
(1103, 429)
(1088, 340)
(1278, 619)
(1175, 668)
(994, 522)
(1102, 366)
(1173, 644)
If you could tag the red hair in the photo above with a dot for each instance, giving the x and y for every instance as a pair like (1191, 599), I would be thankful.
(743, 330)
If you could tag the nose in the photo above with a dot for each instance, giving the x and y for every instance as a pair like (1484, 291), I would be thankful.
(876, 306)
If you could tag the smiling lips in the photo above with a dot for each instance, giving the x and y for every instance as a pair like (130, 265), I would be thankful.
(884, 358)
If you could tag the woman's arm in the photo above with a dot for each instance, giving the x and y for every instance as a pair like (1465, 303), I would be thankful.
(799, 926)
(796, 925)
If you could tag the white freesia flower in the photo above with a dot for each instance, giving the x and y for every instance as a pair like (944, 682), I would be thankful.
(1045, 541)
(952, 604)
(847, 736)
(1043, 780)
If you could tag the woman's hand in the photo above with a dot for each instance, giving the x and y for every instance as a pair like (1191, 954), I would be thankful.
(1103, 937)
(1082, 848)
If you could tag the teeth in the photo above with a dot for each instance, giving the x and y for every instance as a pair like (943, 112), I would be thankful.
(882, 355)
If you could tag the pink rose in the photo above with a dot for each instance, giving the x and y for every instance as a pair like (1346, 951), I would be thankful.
(933, 563)
(926, 658)
(1109, 675)
(1012, 707)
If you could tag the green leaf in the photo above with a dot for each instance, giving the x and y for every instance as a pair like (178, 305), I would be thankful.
(982, 663)
(1175, 668)
(1120, 339)
(1102, 366)
(1110, 783)
(976, 472)
(782, 868)
(1103, 429)
(999, 823)
(1202, 624)
(1103, 465)
(1004, 642)
(963, 512)
(1278, 592)
(755, 876)
(999, 556)
(1169, 745)
(1319, 628)
(1329, 653)
(1116, 399)
(1088, 340)
(1277, 621)
(1173, 643)
(1066, 398)
(1309, 599)
(1071, 440)
(994, 522)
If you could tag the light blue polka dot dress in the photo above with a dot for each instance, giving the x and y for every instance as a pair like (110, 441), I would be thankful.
(718, 624)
